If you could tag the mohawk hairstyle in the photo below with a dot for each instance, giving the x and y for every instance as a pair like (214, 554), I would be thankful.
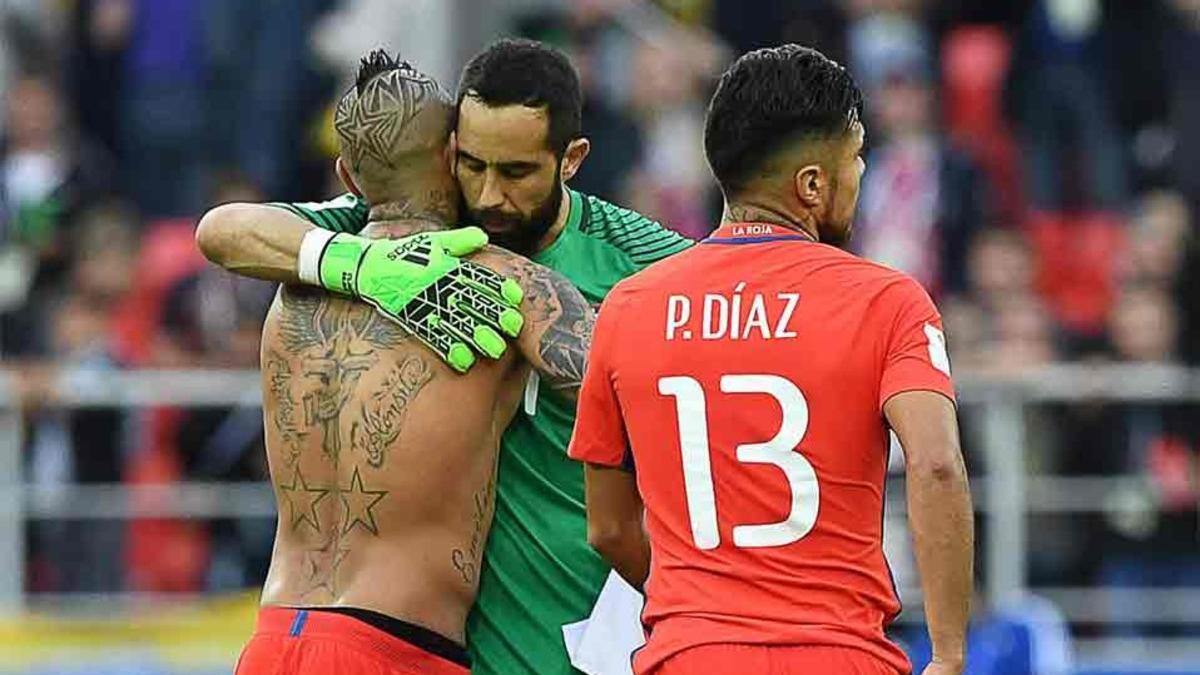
(375, 64)
(380, 118)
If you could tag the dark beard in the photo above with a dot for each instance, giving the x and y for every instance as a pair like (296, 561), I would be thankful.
(523, 234)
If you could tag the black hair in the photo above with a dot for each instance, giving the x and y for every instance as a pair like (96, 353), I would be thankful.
(529, 73)
(770, 97)
(374, 64)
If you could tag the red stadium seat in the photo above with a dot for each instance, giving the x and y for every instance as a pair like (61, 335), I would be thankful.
(1076, 258)
(975, 62)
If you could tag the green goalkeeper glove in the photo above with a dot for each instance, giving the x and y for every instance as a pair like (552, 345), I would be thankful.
(453, 306)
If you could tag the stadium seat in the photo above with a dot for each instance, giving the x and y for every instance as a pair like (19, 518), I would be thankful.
(1076, 258)
(975, 62)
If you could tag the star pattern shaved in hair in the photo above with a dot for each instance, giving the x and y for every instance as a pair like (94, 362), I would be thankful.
(370, 124)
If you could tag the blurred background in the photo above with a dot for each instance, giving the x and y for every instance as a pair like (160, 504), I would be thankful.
(1031, 162)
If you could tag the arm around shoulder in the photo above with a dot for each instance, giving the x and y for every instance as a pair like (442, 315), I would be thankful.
(253, 240)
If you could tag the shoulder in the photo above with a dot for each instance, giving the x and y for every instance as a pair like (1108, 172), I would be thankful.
(539, 283)
(641, 239)
(883, 291)
(509, 264)
(893, 293)
(862, 270)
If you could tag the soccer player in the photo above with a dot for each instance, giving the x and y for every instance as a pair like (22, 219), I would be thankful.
(382, 459)
(517, 144)
(734, 416)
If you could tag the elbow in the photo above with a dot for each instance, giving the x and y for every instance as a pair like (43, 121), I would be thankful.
(216, 229)
(942, 471)
(606, 539)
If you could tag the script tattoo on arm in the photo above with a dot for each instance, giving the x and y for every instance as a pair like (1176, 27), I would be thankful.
(561, 318)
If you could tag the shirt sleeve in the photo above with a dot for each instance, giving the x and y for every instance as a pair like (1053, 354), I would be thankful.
(347, 213)
(599, 436)
(916, 357)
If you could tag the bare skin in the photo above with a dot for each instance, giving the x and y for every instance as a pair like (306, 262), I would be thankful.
(383, 460)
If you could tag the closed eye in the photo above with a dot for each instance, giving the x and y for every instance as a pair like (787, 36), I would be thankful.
(516, 171)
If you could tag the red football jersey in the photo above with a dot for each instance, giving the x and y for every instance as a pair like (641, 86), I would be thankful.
(744, 380)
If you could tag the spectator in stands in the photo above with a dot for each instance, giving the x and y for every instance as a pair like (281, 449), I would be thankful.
(1022, 335)
(1008, 327)
(215, 320)
(162, 107)
(672, 182)
(1182, 62)
(1064, 111)
(1148, 537)
(97, 34)
(47, 176)
(22, 41)
(84, 446)
(262, 90)
(922, 199)
(1000, 265)
(1158, 239)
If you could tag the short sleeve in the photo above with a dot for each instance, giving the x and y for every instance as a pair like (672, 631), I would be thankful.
(599, 436)
(916, 358)
(347, 213)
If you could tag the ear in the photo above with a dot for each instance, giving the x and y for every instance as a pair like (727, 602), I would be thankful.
(448, 153)
(347, 178)
(577, 151)
(812, 186)
(452, 153)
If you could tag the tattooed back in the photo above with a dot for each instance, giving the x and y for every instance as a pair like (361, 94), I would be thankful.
(383, 460)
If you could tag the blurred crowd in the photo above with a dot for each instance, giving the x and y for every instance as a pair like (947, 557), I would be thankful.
(1029, 162)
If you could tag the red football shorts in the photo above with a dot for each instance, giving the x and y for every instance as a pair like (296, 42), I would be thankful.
(734, 659)
(303, 642)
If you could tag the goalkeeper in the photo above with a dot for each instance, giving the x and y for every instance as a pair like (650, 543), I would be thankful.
(518, 141)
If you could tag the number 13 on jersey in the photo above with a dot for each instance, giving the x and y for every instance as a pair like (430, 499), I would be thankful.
(691, 408)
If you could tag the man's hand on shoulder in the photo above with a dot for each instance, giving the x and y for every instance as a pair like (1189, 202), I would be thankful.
(456, 307)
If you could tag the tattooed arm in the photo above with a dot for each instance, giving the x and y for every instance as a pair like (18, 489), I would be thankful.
(558, 323)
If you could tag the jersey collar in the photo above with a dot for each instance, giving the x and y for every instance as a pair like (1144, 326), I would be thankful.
(754, 233)
(575, 210)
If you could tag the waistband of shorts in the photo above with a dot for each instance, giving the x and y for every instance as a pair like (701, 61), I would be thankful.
(400, 641)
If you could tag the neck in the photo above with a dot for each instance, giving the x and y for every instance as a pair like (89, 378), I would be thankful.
(742, 212)
(436, 204)
(401, 218)
(560, 222)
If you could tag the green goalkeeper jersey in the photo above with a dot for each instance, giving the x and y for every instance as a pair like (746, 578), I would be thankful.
(539, 572)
